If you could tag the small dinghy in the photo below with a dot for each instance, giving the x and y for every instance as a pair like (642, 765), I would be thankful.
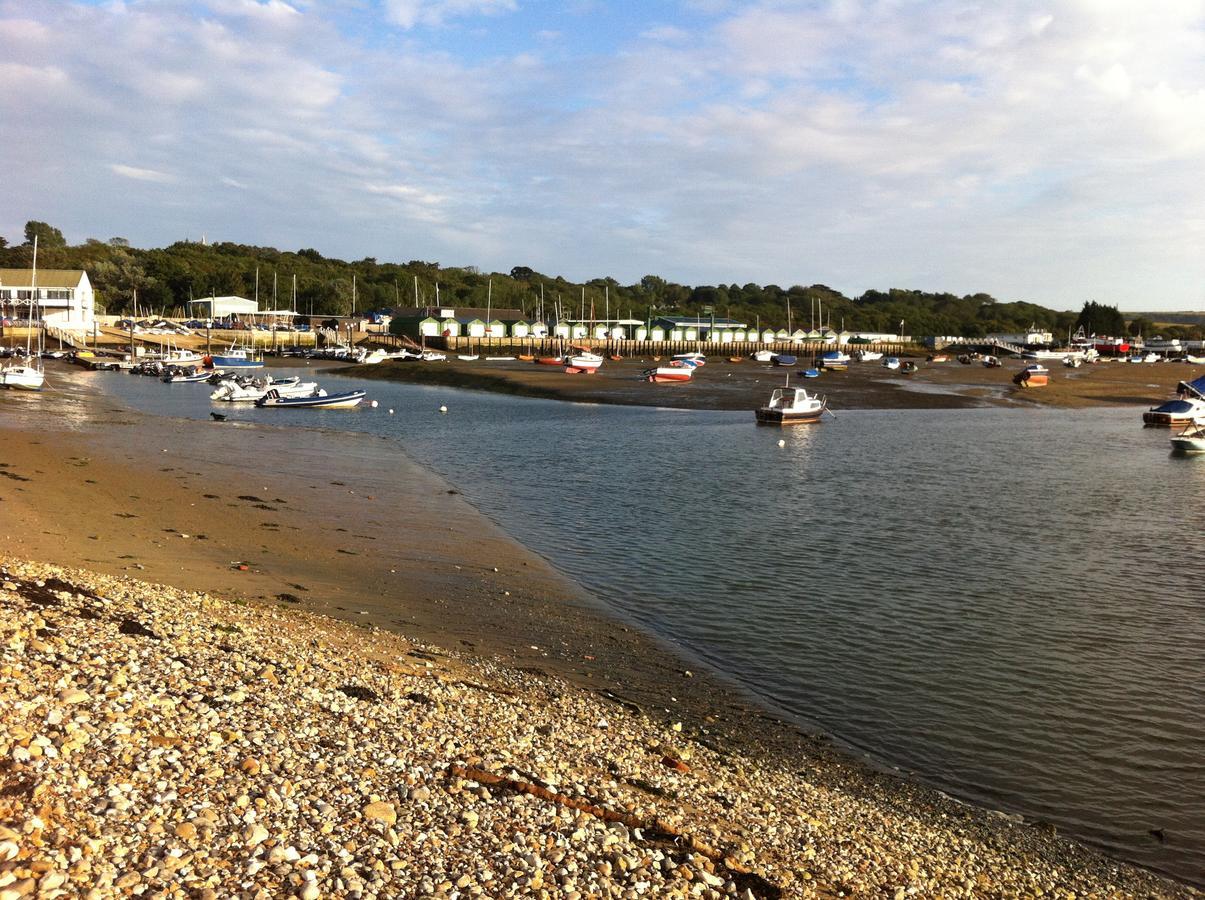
(784, 359)
(1032, 376)
(320, 400)
(467, 357)
(908, 368)
(762, 356)
(891, 362)
(810, 373)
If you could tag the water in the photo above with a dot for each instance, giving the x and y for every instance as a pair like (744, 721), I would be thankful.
(1006, 602)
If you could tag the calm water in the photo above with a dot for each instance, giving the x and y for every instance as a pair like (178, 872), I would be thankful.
(1008, 603)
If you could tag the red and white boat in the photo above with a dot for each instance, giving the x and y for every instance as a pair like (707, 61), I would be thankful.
(669, 373)
(1112, 346)
(697, 358)
(584, 363)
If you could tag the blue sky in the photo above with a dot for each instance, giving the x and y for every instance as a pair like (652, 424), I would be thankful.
(1046, 151)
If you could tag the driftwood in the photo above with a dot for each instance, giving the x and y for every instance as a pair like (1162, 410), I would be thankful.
(655, 830)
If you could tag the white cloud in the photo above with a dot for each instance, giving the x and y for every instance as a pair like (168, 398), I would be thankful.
(141, 174)
(409, 13)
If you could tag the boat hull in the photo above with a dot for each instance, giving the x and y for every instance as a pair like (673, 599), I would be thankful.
(1188, 445)
(669, 375)
(21, 378)
(235, 362)
(778, 417)
(331, 401)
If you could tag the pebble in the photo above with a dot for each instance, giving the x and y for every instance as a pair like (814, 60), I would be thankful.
(164, 768)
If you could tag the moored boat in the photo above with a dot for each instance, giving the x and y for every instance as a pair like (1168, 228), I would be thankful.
(868, 356)
(763, 356)
(697, 358)
(835, 359)
(320, 400)
(1180, 411)
(236, 358)
(669, 374)
(1191, 439)
(791, 406)
(891, 362)
(908, 367)
(22, 378)
(583, 363)
(991, 362)
(1032, 376)
(783, 359)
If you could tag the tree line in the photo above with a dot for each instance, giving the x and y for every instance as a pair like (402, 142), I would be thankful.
(164, 280)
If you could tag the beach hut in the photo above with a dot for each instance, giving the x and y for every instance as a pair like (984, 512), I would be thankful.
(429, 327)
(519, 329)
(642, 333)
(767, 336)
(600, 332)
(691, 334)
(619, 333)
(496, 329)
(677, 334)
(577, 331)
(740, 335)
(657, 333)
(727, 336)
(449, 327)
(562, 330)
(799, 335)
(474, 328)
(539, 329)
(782, 335)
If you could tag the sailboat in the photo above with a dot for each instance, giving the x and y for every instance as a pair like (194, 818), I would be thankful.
(29, 375)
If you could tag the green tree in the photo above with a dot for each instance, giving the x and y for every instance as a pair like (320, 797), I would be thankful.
(48, 236)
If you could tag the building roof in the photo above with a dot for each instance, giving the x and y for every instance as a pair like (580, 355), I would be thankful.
(242, 304)
(458, 312)
(47, 278)
(694, 322)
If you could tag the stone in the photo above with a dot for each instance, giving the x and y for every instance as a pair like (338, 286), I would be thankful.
(381, 812)
(254, 835)
(73, 695)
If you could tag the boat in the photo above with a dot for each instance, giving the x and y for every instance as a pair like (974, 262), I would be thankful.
(433, 356)
(468, 357)
(810, 373)
(1032, 376)
(991, 362)
(939, 358)
(909, 367)
(891, 362)
(550, 361)
(669, 373)
(868, 356)
(735, 359)
(179, 375)
(374, 357)
(27, 376)
(1072, 362)
(525, 357)
(697, 358)
(762, 356)
(1191, 439)
(783, 359)
(180, 357)
(1194, 360)
(584, 363)
(791, 406)
(236, 358)
(320, 400)
(232, 391)
(835, 359)
(499, 358)
(1179, 411)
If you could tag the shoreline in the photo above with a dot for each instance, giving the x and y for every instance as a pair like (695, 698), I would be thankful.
(723, 385)
(580, 642)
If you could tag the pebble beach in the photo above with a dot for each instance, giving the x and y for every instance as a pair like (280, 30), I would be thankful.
(158, 742)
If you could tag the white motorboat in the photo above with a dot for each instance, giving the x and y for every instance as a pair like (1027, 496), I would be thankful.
(1072, 362)
(232, 391)
(1180, 411)
(433, 356)
(1194, 360)
(791, 406)
(468, 357)
(583, 363)
(868, 356)
(763, 356)
(1191, 439)
(375, 357)
(835, 359)
(891, 362)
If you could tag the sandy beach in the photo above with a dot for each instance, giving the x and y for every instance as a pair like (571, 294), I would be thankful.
(722, 384)
(302, 591)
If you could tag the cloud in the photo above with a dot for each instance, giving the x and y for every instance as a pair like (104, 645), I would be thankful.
(141, 174)
(409, 13)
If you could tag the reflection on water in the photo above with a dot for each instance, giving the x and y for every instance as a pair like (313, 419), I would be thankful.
(1003, 601)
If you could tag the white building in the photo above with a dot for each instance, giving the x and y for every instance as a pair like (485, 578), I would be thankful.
(1033, 336)
(64, 296)
(222, 307)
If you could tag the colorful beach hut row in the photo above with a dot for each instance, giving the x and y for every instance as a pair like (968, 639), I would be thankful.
(458, 327)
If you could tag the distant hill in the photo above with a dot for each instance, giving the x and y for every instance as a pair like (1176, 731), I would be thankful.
(1170, 318)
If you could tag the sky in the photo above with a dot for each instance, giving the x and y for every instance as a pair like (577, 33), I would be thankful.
(1044, 151)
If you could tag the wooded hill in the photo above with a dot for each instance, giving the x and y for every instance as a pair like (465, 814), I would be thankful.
(167, 278)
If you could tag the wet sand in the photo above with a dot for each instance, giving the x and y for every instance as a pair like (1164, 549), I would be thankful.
(348, 526)
(726, 385)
